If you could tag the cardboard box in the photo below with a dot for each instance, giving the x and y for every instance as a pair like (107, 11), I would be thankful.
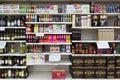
(89, 62)
(117, 73)
(111, 62)
(58, 74)
(89, 73)
(70, 9)
(100, 62)
(117, 64)
(77, 73)
(106, 34)
(100, 73)
(111, 73)
(77, 61)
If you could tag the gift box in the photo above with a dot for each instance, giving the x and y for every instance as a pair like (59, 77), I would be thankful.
(58, 74)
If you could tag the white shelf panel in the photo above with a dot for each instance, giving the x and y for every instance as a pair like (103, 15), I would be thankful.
(95, 79)
(63, 62)
(13, 79)
(93, 41)
(45, 76)
(14, 41)
(48, 22)
(48, 53)
(49, 33)
(13, 67)
(12, 54)
(49, 43)
(107, 27)
(95, 54)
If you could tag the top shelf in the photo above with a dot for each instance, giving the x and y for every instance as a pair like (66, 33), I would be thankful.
(110, 14)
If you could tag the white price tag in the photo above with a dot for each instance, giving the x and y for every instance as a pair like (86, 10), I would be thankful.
(54, 57)
(2, 28)
(2, 44)
(39, 34)
(103, 45)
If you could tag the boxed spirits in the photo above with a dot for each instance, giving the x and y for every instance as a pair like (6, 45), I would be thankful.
(35, 59)
(96, 8)
(89, 62)
(70, 9)
(78, 8)
(77, 61)
(117, 73)
(6, 8)
(77, 73)
(100, 73)
(100, 62)
(23, 8)
(89, 73)
(54, 57)
(50, 28)
(14, 8)
(117, 62)
(110, 61)
(110, 73)
(1, 8)
(58, 74)
(85, 8)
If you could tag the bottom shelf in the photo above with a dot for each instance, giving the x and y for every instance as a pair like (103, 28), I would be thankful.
(45, 76)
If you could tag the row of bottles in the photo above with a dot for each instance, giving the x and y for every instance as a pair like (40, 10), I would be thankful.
(104, 8)
(48, 18)
(48, 38)
(11, 21)
(12, 34)
(14, 73)
(79, 48)
(52, 48)
(12, 49)
(102, 20)
(12, 60)
(48, 28)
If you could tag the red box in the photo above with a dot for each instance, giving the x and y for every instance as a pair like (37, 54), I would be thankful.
(58, 74)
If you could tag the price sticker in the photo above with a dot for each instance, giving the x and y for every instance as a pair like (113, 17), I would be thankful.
(54, 57)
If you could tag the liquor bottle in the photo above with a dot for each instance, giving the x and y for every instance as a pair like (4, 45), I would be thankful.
(9, 73)
(22, 48)
(12, 48)
(16, 73)
(13, 73)
(116, 22)
(92, 7)
(6, 60)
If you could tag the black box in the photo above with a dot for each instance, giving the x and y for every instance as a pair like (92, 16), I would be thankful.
(117, 60)
(110, 73)
(77, 61)
(89, 62)
(111, 62)
(77, 73)
(100, 62)
(89, 73)
(117, 73)
(100, 73)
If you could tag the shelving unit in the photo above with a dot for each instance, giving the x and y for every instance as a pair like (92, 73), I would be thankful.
(89, 35)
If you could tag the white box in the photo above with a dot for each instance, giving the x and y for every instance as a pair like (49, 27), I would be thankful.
(14, 8)
(54, 57)
(6, 8)
(85, 8)
(70, 9)
(78, 8)
(1, 8)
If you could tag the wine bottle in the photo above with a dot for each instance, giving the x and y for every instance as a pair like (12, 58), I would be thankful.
(12, 48)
